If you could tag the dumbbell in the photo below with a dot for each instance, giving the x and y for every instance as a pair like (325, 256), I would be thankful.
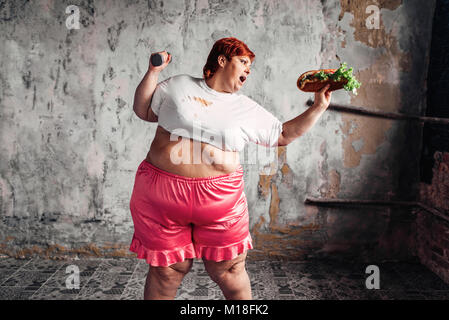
(157, 59)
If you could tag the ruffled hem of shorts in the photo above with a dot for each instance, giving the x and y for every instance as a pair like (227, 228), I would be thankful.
(162, 258)
(224, 253)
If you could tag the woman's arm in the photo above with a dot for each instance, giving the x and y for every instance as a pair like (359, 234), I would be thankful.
(145, 90)
(143, 95)
(296, 127)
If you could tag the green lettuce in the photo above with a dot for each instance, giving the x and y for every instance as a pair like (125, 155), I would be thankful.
(342, 73)
(321, 75)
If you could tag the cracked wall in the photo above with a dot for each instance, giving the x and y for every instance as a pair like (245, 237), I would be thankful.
(70, 142)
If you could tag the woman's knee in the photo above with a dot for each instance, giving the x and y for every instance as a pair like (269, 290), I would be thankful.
(224, 270)
(173, 273)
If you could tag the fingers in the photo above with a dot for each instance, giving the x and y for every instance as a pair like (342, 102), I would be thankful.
(166, 59)
(323, 96)
(328, 96)
(324, 89)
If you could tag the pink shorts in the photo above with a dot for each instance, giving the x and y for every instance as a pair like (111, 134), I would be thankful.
(177, 218)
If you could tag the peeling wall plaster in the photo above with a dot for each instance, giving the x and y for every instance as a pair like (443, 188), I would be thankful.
(70, 142)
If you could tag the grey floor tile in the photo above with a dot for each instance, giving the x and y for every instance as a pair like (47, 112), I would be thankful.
(278, 269)
(52, 293)
(264, 285)
(215, 293)
(189, 281)
(84, 265)
(27, 279)
(401, 295)
(11, 263)
(408, 268)
(107, 285)
(92, 293)
(311, 289)
(108, 280)
(43, 265)
(265, 294)
(134, 292)
(393, 282)
(100, 293)
(436, 295)
(136, 283)
(260, 281)
(63, 279)
(5, 274)
(283, 286)
(305, 294)
(141, 268)
(348, 282)
(320, 294)
(122, 266)
(424, 280)
(201, 290)
(16, 293)
(313, 267)
(341, 268)
(111, 279)
(364, 294)
(287, 297)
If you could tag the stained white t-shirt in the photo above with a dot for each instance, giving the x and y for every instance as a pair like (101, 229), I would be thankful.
(188, 107)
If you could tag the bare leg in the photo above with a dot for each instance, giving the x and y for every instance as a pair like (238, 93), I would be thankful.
(231, 277)
(163, 282)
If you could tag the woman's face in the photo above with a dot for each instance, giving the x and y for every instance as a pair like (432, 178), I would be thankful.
(236, 72)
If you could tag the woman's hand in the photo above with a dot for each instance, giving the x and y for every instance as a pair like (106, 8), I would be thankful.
(323, 97)
(167, 58)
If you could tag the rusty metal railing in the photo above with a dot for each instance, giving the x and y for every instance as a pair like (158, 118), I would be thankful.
(389, 203)
(382, 114)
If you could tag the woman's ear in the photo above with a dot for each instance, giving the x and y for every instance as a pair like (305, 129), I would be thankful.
(222, 60)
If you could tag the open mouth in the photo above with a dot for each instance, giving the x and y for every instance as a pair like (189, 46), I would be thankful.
(242, 79)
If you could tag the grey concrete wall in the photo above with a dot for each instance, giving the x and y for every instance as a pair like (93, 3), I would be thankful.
(70, 142)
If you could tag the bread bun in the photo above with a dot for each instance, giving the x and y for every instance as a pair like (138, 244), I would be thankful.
(315, 84)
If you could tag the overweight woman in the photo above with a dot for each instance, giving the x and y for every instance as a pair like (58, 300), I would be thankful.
(188, 199)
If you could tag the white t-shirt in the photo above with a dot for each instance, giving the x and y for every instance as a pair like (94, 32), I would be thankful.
(188, 107)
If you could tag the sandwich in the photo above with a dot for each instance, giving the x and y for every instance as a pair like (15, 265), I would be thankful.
(341, 78)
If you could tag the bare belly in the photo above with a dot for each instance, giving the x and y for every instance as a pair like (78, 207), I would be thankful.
(190, 158)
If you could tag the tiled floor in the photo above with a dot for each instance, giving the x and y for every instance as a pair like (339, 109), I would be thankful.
(106, 279)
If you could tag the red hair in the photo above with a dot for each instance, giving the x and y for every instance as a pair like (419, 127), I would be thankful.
(229, 47)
